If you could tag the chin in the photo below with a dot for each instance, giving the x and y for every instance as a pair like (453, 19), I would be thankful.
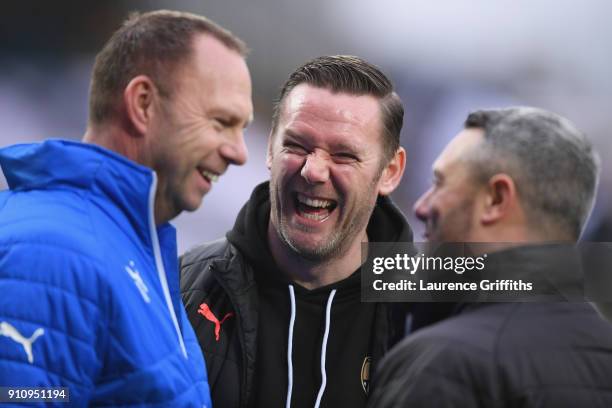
(305, 248)
(192, 205)
(321, 250)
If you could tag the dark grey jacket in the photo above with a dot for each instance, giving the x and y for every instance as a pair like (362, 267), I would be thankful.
(556, 354)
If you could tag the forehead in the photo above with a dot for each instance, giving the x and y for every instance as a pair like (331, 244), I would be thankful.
(457, 149)
(215, 72)
(310, 110)
(211, 57)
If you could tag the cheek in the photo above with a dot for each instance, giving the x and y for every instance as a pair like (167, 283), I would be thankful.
(286, 164)
(201, 137)
(194, 131)
(351, 180)
(443, 203)
(453, 203)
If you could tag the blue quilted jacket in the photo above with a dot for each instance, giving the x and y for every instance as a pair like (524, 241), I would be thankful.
(89, 295)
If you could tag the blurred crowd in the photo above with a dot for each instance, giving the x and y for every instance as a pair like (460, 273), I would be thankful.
(445, 62)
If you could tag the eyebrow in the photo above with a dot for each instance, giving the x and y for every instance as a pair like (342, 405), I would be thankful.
(346, 147)
(294, 135)
(336, 146)
(233, 117)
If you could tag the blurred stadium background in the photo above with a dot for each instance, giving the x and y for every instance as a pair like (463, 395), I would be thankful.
(445, 58)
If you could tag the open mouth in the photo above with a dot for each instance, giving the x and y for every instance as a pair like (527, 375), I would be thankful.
(209, 176)
(317, 209)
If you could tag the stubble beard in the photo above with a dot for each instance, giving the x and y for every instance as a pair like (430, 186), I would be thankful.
(456, 226)
(335, 245)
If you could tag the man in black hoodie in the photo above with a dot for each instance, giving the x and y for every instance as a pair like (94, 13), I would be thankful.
(276, 304)
(522, 180)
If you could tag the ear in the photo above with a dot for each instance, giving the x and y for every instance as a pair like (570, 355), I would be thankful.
(392, 173)
(500, 198)
(269, 153)
(138, 97)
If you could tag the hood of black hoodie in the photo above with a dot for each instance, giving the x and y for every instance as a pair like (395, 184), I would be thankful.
(250, 236)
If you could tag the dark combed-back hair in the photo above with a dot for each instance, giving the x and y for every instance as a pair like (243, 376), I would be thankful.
(151, 44)
(553, 164)
(352, 75)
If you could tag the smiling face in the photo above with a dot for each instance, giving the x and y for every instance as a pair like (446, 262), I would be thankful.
(448, 208)
(199, 129)
(326, 161)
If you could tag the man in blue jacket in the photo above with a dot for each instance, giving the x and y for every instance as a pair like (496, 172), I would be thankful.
(88, 271)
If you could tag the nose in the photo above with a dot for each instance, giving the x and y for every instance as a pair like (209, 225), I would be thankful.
(235, 151)
(421, 207)
(315, 169)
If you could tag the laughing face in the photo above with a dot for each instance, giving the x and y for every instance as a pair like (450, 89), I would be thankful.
(199, 132)
(326, 163)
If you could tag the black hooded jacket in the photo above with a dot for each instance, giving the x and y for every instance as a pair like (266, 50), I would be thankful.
(246, 354)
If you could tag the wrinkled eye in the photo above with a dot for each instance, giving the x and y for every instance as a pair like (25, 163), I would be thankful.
(295, 148)
(345, 158)
(222, 123)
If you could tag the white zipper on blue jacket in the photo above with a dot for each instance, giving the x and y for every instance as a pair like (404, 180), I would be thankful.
(161, 271)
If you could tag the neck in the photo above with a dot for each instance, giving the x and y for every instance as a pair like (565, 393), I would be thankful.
(509, 236)
(313, 274)
(161, 213)
(113, 136)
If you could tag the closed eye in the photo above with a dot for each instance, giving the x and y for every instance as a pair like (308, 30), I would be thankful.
(345, 158)
(295, 148)
(224, 122)
(220, 124)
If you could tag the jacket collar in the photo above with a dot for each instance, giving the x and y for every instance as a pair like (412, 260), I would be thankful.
(63, 164)
(555, 269)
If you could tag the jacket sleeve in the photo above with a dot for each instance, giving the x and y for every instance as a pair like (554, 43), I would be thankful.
(432, 373)
(50, 322)
(427, 389)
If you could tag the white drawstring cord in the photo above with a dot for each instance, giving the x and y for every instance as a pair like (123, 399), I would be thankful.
(290, 348)
(324, 347)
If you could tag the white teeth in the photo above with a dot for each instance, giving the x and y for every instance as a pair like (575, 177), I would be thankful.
(209, 175)
(314, 203)
(316, 217)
